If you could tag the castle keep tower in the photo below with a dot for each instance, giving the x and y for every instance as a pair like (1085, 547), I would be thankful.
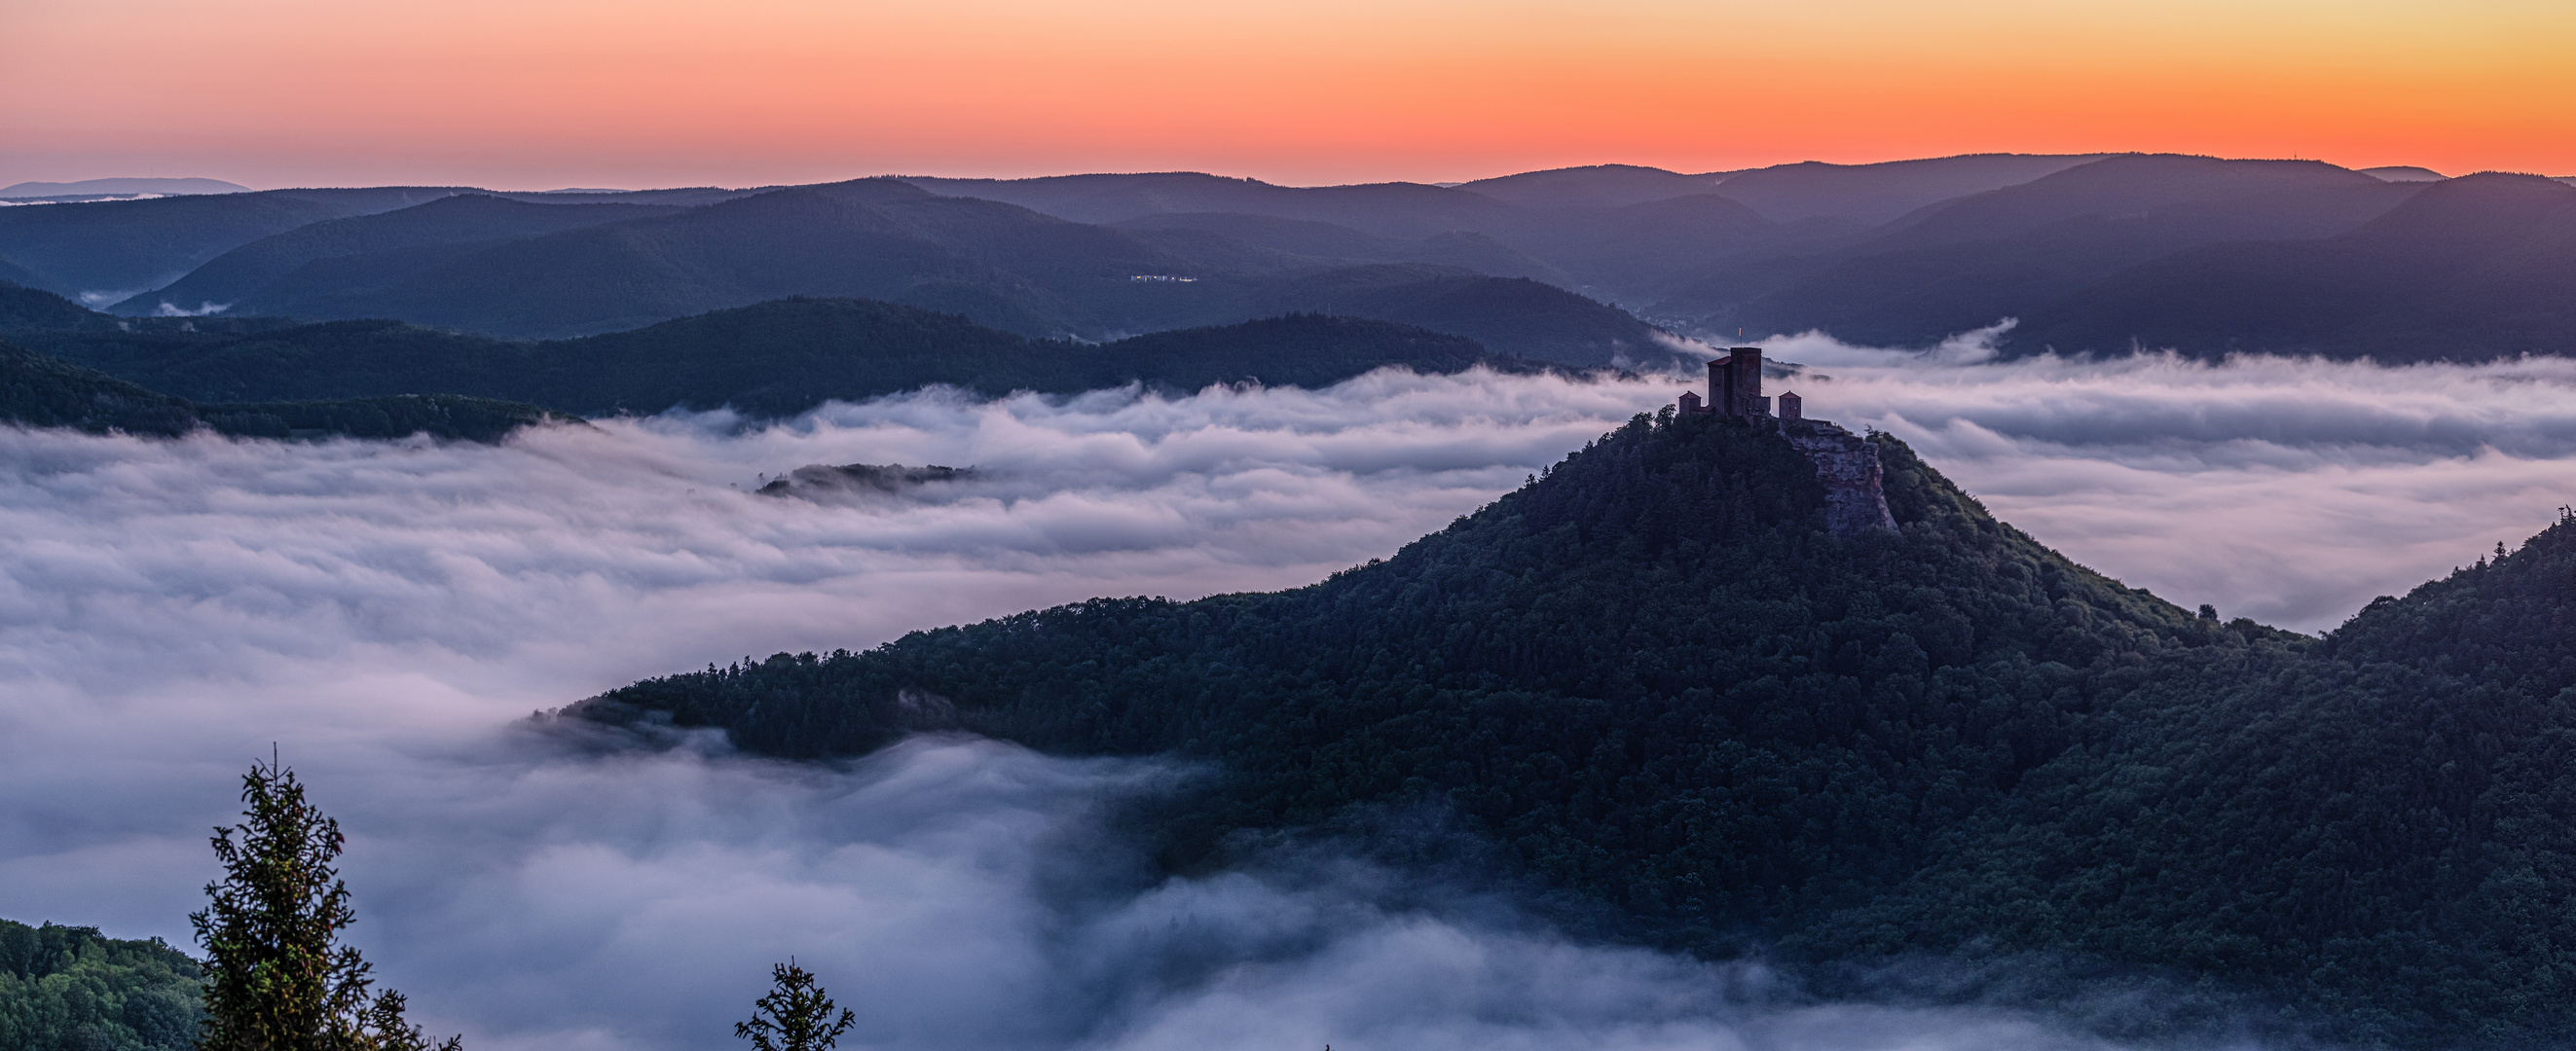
(1734, 386)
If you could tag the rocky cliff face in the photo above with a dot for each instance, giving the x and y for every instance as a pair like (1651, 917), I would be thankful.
(1848, 465)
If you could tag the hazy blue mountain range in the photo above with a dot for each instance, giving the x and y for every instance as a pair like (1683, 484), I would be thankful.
(302, 270)
(1593, 186)
(518, 269)
(769, 359)
(2475, 267)
(1901, 253)
(1655, 684)
(118, 187)
(1970, 262)
(100, 251)
(1627, 233)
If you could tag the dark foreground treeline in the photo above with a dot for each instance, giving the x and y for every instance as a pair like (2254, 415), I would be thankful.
(1654, 681)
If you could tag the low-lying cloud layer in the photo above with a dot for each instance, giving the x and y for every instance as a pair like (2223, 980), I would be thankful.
(384, 611)
(2287, 490)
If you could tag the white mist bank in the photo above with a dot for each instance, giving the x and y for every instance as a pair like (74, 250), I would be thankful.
(2289, 490)
(383, 611)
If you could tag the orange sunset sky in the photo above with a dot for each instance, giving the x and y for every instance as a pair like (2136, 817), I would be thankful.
(534, 94)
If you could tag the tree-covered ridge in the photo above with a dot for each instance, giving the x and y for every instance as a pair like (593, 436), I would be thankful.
(771, 359)
(2376, 824)
(40, 391)
(73, 989)
(1652, 675)
(1654, 679)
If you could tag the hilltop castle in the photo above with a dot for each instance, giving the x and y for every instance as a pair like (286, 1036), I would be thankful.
(1735, 389)
(1847, 464)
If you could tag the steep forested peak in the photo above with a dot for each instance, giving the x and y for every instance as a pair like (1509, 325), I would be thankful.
(1672, 557)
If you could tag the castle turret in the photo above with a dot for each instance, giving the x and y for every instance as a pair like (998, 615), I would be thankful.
(1792, 407)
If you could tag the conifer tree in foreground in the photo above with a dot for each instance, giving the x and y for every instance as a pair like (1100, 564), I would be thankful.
(795, 1016)
(275, 979)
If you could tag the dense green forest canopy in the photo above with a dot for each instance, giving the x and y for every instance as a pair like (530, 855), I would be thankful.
(73, 989)
(40, 391)
(770, 359)
(1654, 680)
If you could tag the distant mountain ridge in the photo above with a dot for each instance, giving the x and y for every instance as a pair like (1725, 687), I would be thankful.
(517, 269)
(2475, 267)
(120, 187)
(300, 271)
(770, 359)
(1901, 253)
(1970, 262)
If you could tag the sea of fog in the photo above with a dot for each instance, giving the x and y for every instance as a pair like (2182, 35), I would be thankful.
(388, 613)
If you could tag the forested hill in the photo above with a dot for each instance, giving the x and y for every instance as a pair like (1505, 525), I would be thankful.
(2378, 823)
(73, 989)
(1654, 679)
(770, 359)
(39, 391)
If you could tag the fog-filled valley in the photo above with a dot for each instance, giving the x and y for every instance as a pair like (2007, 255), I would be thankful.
(389, 613)
(1163, 610)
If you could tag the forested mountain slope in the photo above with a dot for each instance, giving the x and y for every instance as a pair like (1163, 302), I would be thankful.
(40, 391)
(1654, 679)
(73, 989)
(2378, 824)
(769, 359)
